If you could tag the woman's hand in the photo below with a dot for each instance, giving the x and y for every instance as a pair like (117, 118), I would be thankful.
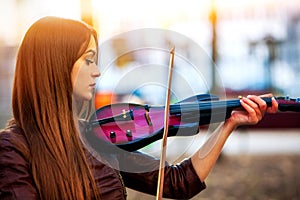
(254, 110)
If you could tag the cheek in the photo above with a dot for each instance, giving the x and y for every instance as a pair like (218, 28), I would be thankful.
(82, 76)
(75, 73)
(75, 79)
(80, 81)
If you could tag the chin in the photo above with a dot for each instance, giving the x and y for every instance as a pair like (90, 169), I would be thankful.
(88, 97)
(85, 97)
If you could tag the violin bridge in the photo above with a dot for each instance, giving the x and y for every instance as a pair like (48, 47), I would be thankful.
(147, 117)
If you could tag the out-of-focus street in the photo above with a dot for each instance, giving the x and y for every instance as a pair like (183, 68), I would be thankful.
(255, 165)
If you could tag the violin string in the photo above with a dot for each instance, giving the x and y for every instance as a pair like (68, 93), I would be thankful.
(203, 106)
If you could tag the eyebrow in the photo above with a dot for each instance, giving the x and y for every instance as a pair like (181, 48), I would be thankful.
(90, 51)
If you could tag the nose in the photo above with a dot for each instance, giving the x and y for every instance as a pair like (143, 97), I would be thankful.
(96, 73)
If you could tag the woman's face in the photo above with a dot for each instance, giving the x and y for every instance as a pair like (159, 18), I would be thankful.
(85, 72)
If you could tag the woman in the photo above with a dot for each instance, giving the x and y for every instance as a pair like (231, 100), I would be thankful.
(42, 155)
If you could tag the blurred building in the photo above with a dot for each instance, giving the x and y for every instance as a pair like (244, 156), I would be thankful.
(257, 42)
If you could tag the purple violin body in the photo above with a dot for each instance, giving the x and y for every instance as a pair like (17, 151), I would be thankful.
(133, 126)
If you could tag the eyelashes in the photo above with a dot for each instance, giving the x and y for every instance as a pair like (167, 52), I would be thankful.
(89, 61)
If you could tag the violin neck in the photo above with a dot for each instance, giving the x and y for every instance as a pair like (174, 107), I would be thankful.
(216, 111)
(284, 104)
(209, 106)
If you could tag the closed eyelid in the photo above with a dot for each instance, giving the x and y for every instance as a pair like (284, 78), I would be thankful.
(92, 55)
(91, 51)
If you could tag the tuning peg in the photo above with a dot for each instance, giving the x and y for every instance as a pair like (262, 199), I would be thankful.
(128, 133)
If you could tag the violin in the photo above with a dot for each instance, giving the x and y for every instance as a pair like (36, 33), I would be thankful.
(132, 126)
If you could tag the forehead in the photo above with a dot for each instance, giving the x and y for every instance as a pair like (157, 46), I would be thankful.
(92, 46)
(92, 42)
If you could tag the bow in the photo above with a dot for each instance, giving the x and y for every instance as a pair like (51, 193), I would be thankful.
(165, 133)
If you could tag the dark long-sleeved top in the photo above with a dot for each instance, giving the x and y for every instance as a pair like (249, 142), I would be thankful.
(16, 181)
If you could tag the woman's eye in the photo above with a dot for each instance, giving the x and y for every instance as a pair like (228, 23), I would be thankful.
(89, 61)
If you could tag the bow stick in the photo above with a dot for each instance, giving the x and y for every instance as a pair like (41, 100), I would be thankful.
(165, 133)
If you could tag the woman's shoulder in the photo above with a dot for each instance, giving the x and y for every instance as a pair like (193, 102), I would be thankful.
(12, 138)
(16, 181)
(12, 131)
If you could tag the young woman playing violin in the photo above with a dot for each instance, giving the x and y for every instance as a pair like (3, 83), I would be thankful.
(42, 155)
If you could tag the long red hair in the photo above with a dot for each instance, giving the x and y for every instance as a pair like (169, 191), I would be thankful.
(42, 107)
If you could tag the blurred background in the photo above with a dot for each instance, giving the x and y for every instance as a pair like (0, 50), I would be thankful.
(246, 47)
